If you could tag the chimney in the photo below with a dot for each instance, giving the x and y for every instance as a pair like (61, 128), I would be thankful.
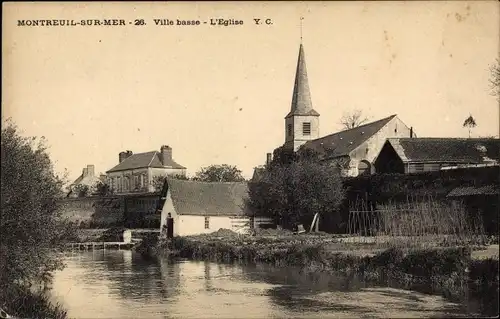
(166, 155)
(269, 159)
(91, 170)
(123, 155)
(411, 132)
(85, 172)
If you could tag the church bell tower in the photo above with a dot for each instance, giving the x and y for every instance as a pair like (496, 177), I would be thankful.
(302, 122)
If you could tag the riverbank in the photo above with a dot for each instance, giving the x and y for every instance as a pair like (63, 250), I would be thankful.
(22, 302)
(451, 271)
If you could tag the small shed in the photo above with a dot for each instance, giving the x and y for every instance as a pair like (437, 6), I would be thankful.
(202, 207)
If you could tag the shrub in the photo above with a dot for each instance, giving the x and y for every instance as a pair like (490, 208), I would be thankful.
(31, 226)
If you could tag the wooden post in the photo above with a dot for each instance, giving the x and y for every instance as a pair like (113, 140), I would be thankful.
(317, 223)
(313, 222)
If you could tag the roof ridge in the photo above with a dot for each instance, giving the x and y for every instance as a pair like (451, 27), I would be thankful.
(204, 182)
(444, 138)
(354, 128)
(357, 127)
(152, 158)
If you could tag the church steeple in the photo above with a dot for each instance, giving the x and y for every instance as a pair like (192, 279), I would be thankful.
(301, 98)
(302, 122)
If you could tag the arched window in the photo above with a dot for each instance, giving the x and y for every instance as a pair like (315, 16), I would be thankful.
(364, 168)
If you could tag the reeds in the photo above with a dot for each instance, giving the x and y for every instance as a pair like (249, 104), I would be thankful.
(416, 223)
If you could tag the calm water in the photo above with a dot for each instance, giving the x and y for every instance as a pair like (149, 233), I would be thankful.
(120, 284)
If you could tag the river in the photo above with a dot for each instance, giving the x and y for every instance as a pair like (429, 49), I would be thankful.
(121, 284)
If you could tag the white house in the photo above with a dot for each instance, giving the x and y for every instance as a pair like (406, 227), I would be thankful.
(201, 207)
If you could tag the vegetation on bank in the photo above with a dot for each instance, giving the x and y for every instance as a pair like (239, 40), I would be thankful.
(30, 224)
(447, 270)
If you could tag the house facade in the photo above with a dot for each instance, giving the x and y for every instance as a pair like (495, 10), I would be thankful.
(417, 155)
(136, 173)
(88, 179)
(202, 208)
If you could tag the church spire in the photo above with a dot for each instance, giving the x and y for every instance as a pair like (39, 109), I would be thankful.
(302, 122)
(301, 98)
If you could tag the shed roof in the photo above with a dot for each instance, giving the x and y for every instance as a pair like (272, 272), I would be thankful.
(203, 198)
(474, 190)
(456, 150)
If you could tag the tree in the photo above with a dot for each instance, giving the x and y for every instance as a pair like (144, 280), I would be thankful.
(293, 193)
(103, 189)
(81, 190)
(219, 173)
(470, 123)
(31, 225)
(353, 119)
(158, 181)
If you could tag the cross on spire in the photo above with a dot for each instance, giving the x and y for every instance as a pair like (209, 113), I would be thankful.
(301, 18)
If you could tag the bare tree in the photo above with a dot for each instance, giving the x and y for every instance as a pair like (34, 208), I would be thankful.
(353, 119)
(470, 123)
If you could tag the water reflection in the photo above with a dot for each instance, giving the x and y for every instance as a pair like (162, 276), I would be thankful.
(120, 284)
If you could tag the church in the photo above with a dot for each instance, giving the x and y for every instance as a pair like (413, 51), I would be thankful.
(354, 150)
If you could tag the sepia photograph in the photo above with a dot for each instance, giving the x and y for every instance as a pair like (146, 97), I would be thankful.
(250, 159)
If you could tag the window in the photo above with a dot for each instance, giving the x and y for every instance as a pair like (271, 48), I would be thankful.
(306, 128)
(419, 167)
(207, 222)
(289, 127)
(126, 183)
(364, 168)
(142, 181)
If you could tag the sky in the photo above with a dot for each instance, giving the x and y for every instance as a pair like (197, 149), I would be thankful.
(219, 94)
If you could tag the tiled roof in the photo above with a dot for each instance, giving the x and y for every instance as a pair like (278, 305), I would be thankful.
(456, 150)
(471, 191)
(142, 160)
(301, 98)
(211, 199)
(258, 172)
(342, 143)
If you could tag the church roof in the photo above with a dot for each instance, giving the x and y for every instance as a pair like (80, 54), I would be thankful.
(203, 198)
(342, 143)
(143, 160)
(301, 98)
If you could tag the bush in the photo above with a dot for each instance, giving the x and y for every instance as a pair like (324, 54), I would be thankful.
(31, 226)
(27, 304)
(433, 262)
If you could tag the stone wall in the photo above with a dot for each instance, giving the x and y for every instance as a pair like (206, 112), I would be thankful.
(94, 212)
